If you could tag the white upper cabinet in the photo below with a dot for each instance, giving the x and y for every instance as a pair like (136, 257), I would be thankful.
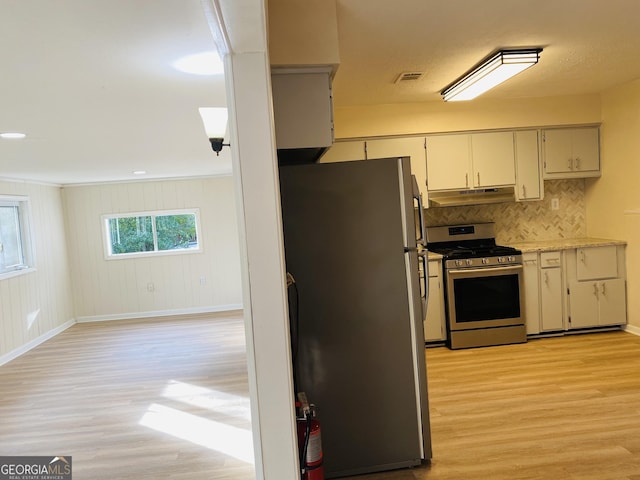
(343, 151)
(448, 162)
(467, 161)
(571, 152)
(302, 107)
(492, 159)
(413, 147)
(529, 185)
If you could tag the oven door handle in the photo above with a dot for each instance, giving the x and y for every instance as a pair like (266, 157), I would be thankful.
(476, 271)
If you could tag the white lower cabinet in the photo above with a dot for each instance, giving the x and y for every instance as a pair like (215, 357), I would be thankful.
(574, 288)
(531, 292)
(596, 287)
(551, 292)
(595, 304)
(434, 324)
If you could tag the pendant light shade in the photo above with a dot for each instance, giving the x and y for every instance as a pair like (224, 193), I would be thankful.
(215, 124)
(493, 71)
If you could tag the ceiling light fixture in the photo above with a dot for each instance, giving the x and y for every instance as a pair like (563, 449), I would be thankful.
(491, 72)
(215, 124)
(12, 135)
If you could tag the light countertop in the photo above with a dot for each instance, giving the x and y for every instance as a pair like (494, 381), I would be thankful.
(564, 244)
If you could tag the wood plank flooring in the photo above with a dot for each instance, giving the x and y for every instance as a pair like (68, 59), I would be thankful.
(554, 408)
(168, 399)
(165, 399)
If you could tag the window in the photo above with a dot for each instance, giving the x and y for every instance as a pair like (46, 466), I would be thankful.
(151, 233)
(15, 241)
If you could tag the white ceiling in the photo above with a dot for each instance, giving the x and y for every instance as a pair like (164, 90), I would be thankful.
(91, 82)
(589, 46)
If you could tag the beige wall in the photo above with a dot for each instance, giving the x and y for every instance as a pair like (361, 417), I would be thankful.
(189, 283)
(409, 118)
(303, 32)
(35, 305)
(613, 201)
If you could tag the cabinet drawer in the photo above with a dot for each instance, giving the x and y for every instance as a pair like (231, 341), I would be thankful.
(550, 259)
(595, 263)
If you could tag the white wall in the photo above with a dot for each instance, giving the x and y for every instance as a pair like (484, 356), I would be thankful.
(108, 289)
(35, 305)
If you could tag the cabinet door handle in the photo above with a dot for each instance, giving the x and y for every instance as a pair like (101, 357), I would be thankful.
(577, 163)
(478, 178)
(595, 289)
(524, 191)
(546, 278)
(602, 289)
(466, 180)
(582, 256)
(569, 164)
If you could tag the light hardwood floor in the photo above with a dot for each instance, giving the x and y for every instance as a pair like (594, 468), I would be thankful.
(557, 408)
(139, 400)
(168, 400)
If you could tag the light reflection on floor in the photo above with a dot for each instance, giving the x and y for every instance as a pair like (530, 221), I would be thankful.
(225, 438)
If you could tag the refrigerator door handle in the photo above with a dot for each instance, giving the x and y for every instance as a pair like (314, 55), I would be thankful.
(423, 254)
(421, 240)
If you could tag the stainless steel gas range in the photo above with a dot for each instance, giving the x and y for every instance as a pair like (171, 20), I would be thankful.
(483, 285)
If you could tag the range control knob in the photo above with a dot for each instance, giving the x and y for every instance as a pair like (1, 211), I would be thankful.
(485, 261)
(469, 262)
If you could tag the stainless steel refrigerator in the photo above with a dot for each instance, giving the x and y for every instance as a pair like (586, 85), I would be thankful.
(351, 234)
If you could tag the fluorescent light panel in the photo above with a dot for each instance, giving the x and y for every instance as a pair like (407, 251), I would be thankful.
(12, 135)
(490, 73)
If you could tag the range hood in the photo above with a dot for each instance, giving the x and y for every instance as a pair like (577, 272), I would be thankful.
(472, 197)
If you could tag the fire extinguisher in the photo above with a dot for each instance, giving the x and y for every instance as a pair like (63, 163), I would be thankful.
(309, 440)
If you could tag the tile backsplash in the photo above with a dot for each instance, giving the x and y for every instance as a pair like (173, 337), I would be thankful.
(525, 221)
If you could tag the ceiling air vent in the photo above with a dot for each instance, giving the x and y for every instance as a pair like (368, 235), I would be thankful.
(409, 76)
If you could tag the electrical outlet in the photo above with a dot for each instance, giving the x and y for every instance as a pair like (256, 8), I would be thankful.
(150, 287)
(203, 280)
(555, 203)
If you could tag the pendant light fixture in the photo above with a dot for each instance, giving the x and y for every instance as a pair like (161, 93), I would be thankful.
(491, 72)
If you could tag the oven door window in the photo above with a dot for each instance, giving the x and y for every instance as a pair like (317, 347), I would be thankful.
(487, 298)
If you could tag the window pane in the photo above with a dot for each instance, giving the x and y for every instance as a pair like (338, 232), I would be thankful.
(131, 234)
(176, 231)
(10, 241)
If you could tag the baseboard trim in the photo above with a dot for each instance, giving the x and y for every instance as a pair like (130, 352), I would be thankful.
(632, 329)
(160, 313)
(6, 358)
(12, 355)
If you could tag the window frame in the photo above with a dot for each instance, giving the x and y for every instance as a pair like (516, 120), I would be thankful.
(106, 234)
(23, 203)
